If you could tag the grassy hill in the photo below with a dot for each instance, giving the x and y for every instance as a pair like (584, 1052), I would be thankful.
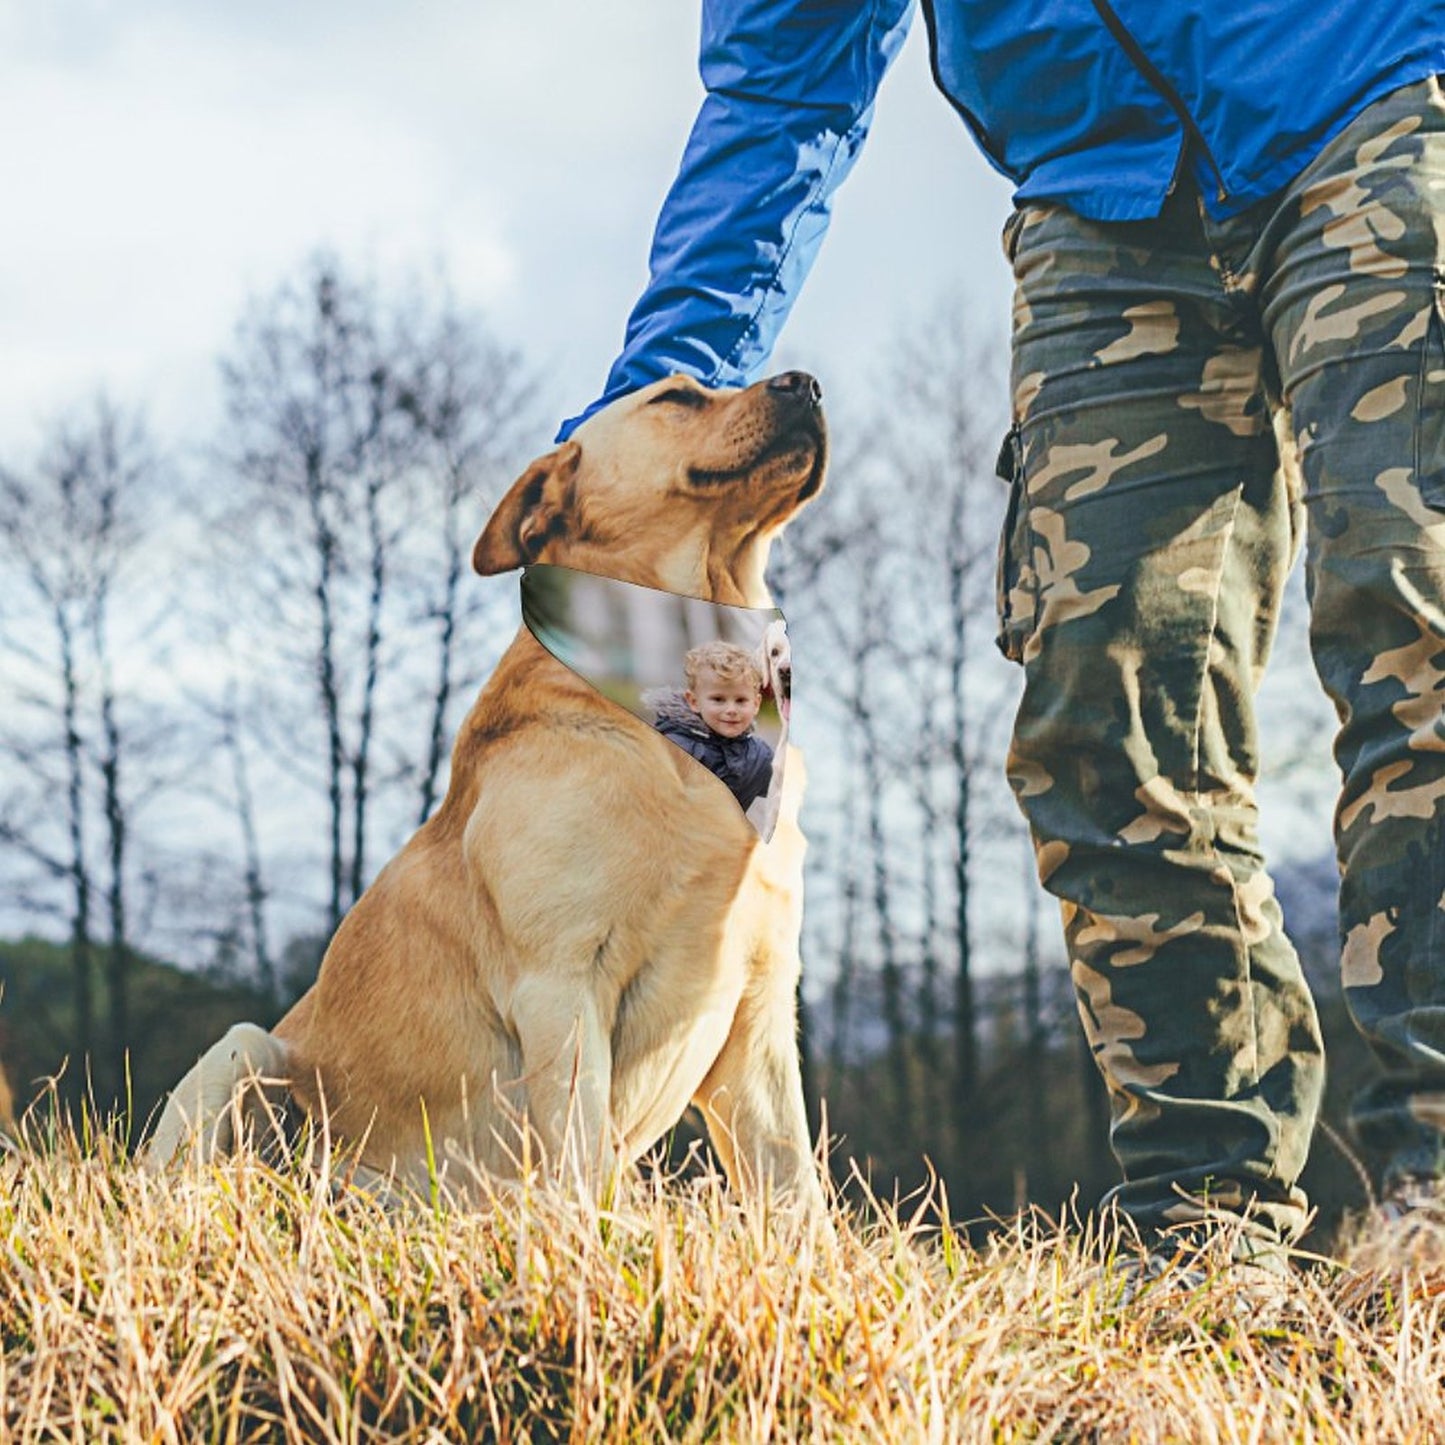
(240, 1303)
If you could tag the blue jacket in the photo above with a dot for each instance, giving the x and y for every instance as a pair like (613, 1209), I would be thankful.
(1097, 104)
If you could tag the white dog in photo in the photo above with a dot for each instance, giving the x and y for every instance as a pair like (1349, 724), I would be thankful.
(775, 661)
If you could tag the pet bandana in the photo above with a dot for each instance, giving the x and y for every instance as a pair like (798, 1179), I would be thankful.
(635, 645)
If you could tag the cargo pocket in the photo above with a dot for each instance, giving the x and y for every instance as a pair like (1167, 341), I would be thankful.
(1430, 414)
(1014, 585)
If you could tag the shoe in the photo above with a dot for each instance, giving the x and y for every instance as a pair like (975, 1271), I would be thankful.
(1415, 1200)
(1156, 1277)
(1393, 1251)
(1405, 1229)
(1246, 1280)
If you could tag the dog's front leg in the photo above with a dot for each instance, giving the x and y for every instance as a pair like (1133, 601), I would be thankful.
(752, 1099)
(567, 1057)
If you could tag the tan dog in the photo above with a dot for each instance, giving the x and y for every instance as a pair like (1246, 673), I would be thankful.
(588, 935)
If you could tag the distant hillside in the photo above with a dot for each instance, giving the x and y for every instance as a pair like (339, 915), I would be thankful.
(174, 1015)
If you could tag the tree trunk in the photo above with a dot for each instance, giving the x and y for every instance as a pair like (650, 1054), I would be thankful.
(322, 590)
(441, 699)
(965, 1028)
(846, 975)
(256, 893)
(928, 844)
(361, 762)
(118, 954)
(895, 1012)
(84, 1002)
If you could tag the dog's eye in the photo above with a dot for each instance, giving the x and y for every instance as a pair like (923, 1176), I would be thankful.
(680, 396)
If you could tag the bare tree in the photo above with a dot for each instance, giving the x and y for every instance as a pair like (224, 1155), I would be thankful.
(900, 619)
(931, 943)
(256, 891)
(322, 656)
(319, 445)
(863, 705)
(941, 439)
(71, 527)
(848, 634)
(473, 402)
(119, 462)
(367, 438)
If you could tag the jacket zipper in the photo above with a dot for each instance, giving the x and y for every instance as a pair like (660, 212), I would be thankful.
(1155, 77)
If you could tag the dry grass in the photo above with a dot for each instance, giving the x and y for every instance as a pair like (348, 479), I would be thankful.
(244, 1303)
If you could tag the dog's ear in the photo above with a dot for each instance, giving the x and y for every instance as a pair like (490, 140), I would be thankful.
(532, 513)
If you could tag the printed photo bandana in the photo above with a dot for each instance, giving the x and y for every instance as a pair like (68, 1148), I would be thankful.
(714, 680)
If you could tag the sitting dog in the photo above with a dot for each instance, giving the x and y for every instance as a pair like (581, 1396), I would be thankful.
(588, 935)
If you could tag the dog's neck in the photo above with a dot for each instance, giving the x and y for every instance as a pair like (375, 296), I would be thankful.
(725, 567)
(741, 581)
(728, 577)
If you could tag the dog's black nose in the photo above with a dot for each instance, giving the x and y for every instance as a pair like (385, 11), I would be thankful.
(797, 384)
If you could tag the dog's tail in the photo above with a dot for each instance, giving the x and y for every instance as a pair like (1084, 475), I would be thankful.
(237, 1090)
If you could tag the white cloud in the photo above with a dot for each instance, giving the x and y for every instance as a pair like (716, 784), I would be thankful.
(175, 156)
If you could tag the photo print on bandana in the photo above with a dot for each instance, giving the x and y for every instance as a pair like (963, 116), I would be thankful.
(715, 680)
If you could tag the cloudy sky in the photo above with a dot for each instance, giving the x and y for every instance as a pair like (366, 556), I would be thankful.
(166, 159)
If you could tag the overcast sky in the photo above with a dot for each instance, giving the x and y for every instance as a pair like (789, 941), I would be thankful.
(165, 159)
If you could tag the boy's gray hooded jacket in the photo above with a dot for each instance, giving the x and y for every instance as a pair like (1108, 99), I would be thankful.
(744, 763)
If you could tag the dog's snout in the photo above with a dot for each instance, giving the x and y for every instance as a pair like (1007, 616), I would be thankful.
(798, 385)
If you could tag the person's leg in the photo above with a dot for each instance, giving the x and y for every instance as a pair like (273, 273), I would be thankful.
(1355, 304)
(1142, 586)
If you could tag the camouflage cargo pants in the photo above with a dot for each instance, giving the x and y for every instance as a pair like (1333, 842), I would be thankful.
(1150, 535)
